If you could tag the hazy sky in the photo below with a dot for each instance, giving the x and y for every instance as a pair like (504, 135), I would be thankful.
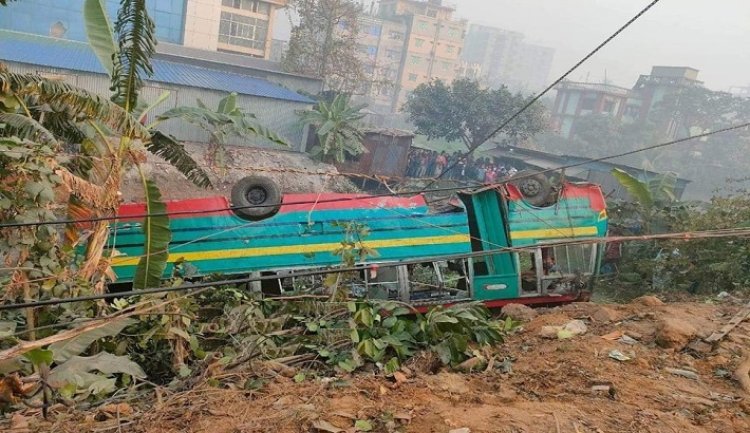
(710, 35)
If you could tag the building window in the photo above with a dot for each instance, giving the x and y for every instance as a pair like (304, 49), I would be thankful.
(392, 54)
(243, 31)
(432, 13)
(396, 36)
(419, 42)
(372, 51)
(422, 25)
(256, 6)
(375, 30)
(451, 49)
(412, 77)
(446, 66)
(415, 60)
(453, 33)
(588, 103)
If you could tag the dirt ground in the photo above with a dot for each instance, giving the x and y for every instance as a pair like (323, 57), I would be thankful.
(294, 172)
(534, 384)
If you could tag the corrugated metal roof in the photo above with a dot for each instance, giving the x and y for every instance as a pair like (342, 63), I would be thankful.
(77, 56)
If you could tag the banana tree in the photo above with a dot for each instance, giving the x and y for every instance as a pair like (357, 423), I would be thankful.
(105, 136)
(651, 198)
(227, 120)
(338, 129)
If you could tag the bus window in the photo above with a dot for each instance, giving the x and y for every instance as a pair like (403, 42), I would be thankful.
(575, 259)
(527, 265)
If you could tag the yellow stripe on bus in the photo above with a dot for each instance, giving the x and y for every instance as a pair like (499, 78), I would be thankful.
(554, 233)
(295, 249)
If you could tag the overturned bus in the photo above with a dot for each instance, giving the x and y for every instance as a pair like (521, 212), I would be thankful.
(425, 255)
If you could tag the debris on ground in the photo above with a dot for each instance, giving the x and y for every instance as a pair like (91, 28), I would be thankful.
(569, 330)
(519, 312)
(674, 333)
(565, 385)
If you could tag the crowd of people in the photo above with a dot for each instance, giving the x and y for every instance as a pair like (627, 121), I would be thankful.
(424, 163)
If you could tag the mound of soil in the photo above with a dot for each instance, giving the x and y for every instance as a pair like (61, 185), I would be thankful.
(294, 172)
(534, 385)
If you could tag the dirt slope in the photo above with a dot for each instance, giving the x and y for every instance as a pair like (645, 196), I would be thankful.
(294, 172)
(535, 385)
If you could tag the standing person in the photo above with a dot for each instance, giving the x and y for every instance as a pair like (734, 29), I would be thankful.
(413, 164)
(422, 164)
(490, 176)
(440, 162)
(479, 172)
(431, 164)
(512, 171)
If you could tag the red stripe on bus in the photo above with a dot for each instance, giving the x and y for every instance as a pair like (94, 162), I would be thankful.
(217, 206)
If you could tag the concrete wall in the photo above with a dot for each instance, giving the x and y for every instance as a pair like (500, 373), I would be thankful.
(277, 115)
(202, 19)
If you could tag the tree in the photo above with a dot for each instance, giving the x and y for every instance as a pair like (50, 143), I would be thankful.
(40, 120)
(324, 43)
(337, 127)
(226, 121)
(468, 112)
(708, 161)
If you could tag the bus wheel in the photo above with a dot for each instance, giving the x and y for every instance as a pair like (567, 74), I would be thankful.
(256, 197)
(535, 187)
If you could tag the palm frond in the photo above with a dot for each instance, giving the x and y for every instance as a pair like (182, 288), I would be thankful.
(239, 124)
(75, 102)
(5, 2)
(637, 189)
(157, 236)
(172, 150)
(64, 129)
(24, 127)
(99, 33)
(137, 44)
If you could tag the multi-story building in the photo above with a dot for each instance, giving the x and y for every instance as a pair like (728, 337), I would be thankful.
(407, 43)
(575, 100)
(237, 26)
(652, 88)
(506, 59)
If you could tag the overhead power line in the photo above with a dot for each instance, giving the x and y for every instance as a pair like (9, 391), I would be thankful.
(686, 236)
(537, 97)
(369, 197)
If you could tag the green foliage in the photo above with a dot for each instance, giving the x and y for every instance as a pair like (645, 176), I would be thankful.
(711, 265)
(173, 151)
(465, 111)
(99, 33)
(75, 377)
(67, 349)
(134, 31)
(637, 189)
(450, 331)
(157, 235)
(338, 129)
(226, 121)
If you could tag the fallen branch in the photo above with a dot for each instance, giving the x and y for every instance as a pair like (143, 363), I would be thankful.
(742, 373)
(28, 346)
(135, 310)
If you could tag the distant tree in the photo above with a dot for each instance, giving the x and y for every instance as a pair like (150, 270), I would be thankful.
(709, 161)
(466, 111)
(338, 128)
(324, 43)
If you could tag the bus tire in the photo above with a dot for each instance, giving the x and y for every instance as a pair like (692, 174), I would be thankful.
(256, 198)
(534, 187)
